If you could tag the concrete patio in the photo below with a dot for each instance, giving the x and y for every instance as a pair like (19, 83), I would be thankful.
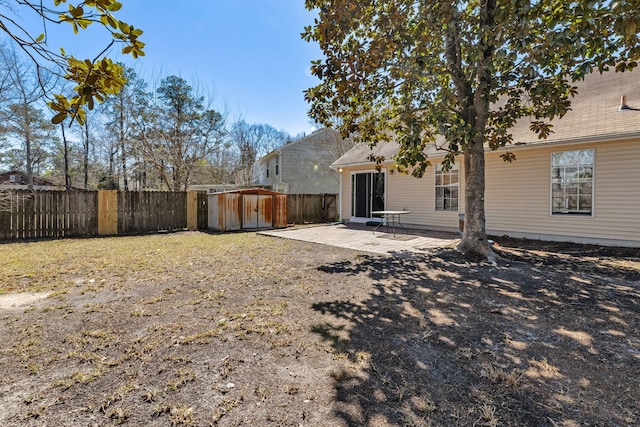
(362, 238)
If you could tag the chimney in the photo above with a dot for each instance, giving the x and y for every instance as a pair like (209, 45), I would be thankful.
(623, 103)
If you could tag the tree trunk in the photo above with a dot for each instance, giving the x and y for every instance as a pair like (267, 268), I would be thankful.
(29, 162)
(27, 120)
(474, 237)
(123, 154)
(111, 185)
(85, 155)
(65, 155)
(144, 175)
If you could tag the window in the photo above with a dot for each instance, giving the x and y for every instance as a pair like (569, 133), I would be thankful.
(572, 182)
(447, 188)
(277, 165)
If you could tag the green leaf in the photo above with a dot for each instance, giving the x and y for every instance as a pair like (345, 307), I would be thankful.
(114, 7)
(59, 118)
(76, 12)
(112, 22)
(631, 27)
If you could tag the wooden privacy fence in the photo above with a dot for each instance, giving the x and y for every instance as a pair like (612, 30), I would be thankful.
(202, 207)
(311, 208)
(28, 214)
(144, 211)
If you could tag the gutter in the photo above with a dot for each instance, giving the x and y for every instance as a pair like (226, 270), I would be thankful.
(611, 137)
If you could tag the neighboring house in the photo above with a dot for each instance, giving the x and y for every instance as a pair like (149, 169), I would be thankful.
(15, 180)
(301, 166)
(581, 184)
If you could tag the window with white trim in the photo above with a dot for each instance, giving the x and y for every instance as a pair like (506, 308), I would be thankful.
(447, 188)
(572, 182)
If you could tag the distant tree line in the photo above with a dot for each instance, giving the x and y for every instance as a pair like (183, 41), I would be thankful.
(163, 134)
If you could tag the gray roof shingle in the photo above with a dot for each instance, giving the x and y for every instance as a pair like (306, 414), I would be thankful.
(595, 116)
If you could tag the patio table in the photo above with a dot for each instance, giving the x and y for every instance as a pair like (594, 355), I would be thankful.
(390, 216)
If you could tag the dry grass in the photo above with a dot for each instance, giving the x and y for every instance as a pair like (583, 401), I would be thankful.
(193, 329)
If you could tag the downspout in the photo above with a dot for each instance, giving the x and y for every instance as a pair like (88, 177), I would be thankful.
(340, 197)
(281, 183)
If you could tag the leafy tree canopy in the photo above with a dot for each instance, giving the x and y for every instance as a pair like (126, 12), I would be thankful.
(94, 79)
(415, 71)
(180, 131)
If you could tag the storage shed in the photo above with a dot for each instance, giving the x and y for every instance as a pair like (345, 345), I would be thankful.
(247, 209)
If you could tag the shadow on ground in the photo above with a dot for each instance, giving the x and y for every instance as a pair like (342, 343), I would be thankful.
(441, 341)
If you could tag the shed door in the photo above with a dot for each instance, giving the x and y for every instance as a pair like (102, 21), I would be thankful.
(265, 211)
(258, 211)
(250, 211)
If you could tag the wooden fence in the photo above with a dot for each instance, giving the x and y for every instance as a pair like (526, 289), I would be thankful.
(203, 210)
(147, 211)
(28, 214)
(35, 214)
(311, 208)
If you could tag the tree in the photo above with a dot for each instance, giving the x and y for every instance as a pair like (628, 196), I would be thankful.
(121, 111)
(417, 71)
(64, 150)
(252, 142)
(23, 118)
(178, 131)
(336, 144)
(94, 79)
(107, 150)
(30, 127)
(86, 136)
(5, 73)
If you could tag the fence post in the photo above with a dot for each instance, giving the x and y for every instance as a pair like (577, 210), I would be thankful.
(107, 212)
(192, 210)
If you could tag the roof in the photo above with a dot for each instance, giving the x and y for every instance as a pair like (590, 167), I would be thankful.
(359, 154)
(22, 179)
(595, 115)
(259, 191)
(312, 136)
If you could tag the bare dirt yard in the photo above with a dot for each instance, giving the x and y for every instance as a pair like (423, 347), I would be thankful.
(195, 329)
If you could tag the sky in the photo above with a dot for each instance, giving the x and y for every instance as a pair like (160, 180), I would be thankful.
(248, 52)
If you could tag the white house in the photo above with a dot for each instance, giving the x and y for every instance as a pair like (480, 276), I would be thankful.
(581, 184)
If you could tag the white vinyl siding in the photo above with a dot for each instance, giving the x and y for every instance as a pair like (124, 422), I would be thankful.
(518, 196)
(404, 192)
